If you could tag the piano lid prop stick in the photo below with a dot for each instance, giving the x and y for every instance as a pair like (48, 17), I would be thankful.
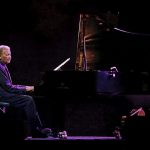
(57, 68)
(138, 110)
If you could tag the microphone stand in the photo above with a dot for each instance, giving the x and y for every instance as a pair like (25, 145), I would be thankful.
(84, 44)
(78, 63)
(81, 45)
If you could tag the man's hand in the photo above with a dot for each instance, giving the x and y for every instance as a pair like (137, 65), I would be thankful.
(29, 88)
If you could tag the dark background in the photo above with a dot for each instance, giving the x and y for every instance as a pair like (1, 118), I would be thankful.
(42, 34)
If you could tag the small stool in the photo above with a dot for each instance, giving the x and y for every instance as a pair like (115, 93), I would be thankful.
(3, 106)
(13, 125)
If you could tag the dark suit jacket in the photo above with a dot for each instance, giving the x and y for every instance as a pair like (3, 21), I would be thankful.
(7, 89)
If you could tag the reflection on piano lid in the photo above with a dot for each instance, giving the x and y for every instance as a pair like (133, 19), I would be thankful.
(78, 83)
(88, 83)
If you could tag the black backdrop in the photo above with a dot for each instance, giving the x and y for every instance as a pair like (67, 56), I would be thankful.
(42, 34)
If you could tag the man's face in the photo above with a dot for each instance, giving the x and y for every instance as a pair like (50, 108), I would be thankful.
(5, 56)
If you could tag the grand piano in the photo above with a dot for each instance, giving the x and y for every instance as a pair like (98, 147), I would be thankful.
(93, 88)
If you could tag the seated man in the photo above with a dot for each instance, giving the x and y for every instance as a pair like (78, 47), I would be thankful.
(16, 95)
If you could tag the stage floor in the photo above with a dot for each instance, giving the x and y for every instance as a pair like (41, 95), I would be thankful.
(103, 142)
(75, 138)
(76, 142)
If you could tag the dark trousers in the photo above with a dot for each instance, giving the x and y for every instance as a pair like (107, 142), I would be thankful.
(27, 104)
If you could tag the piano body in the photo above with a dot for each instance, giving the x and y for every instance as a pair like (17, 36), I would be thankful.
(86, 83)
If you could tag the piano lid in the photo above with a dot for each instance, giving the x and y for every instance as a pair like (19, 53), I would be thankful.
(91, 28)
(105, 44)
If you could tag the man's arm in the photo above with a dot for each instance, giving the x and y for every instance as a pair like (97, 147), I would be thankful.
(6, 84)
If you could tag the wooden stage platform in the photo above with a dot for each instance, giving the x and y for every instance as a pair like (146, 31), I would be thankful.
(76, 142)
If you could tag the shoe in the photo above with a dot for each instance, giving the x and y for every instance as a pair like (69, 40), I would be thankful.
(47, 131)
(43, 133)
(116, 133)
(62, 135)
